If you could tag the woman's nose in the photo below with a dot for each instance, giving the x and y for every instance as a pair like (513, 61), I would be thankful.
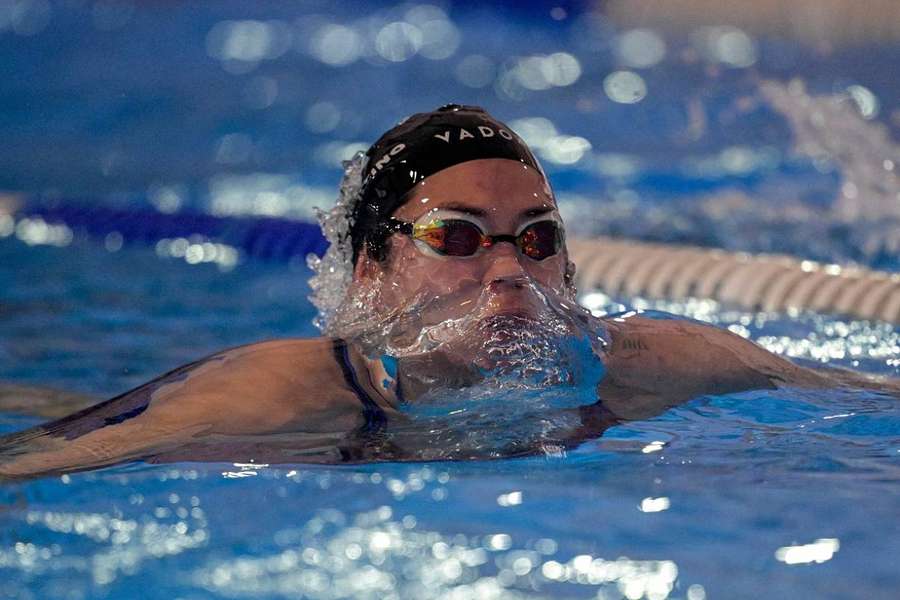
(504, 266)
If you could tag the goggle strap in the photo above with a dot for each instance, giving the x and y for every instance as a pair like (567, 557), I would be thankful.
(396, 225)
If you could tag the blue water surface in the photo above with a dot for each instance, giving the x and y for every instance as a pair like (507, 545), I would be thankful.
(708, 495)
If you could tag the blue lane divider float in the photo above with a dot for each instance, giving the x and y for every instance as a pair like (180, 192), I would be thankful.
(264, 238)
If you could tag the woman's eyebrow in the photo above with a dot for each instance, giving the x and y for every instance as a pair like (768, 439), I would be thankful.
(537, 211)
(463, 208)
(480, 212)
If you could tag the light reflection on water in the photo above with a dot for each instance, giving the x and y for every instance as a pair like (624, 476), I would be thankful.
(334, 554)
(823, 339)
(611, 520)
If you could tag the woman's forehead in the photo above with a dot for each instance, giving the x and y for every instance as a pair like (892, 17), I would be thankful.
(490, 187)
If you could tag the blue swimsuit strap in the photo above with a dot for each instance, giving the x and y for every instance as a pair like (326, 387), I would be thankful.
(374, 415)
(369, 441)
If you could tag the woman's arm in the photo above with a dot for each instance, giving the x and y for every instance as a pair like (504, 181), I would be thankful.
(311, 387)
(656, 363)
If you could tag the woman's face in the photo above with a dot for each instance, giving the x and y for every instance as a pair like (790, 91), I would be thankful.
(502, 196)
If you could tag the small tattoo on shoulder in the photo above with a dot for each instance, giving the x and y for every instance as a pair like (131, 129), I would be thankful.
(634, 344)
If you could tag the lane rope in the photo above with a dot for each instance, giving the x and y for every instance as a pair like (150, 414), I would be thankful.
(775, 283)
(618, 268)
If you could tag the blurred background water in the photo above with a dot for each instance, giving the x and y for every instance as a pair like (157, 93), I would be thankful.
(772, 128)
(768, 127)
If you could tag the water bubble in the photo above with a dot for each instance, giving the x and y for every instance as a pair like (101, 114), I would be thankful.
(696, 592)
(865, 100)
(561, 69)
(510, 499)
(565, 149)
(420, 14)
(322, 117)
(499, 541)
(531, 75)
(726, 45)
(541, 72)
(475, 71)
(36, 232)
(625, 87)
(546, 546)
(336, 45)
(640, 48)
(113, 241)
(248, 41)
(398, 41)
(440, 39)
(650, 505)
(7, 225)
(553, 570)
(534, 130)
(735, 48)
(821, 550)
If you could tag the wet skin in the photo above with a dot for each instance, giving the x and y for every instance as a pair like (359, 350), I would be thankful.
(322, 400)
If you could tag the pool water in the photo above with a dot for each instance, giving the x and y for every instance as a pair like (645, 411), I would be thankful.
(781, 494)
(785, 493)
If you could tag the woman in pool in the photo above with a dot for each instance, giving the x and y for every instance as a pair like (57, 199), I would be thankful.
(460, 280)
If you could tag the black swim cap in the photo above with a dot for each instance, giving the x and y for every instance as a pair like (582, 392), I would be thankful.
(421, 145)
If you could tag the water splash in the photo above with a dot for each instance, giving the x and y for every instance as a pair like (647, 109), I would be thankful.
(518, 337)
(333, 272)
(835, 129)
(478, 382)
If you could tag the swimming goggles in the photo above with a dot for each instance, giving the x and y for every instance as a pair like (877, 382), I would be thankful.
(460, 237)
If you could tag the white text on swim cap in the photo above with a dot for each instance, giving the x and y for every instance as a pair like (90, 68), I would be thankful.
(464, 134)
(386, 159)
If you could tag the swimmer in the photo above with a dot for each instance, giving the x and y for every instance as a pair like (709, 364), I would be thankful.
(448, 271)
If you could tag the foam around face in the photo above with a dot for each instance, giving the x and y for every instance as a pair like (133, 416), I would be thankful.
(452, 341)
(333, 273)
(487, 384)
(523, 350)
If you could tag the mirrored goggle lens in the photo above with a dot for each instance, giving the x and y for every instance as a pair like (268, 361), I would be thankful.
(453, 237)
(540, 240)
